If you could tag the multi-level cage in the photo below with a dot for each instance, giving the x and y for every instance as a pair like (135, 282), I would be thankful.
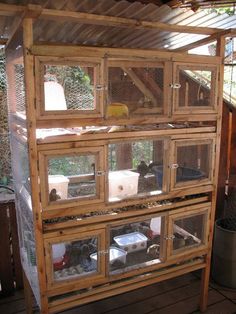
(115, 166)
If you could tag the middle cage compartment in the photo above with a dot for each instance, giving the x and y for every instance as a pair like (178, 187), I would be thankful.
(116, 171)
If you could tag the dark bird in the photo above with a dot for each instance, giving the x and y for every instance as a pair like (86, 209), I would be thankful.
(142, 168)
(53, 196)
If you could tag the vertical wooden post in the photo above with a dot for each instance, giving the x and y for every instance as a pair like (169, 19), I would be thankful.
(6, 272)
(223, 171)
(15, 246)
(28, 295)
(232, 169)
(220, 51)
(32, 148)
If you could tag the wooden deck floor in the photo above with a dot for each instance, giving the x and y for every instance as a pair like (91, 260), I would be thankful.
(174, 296)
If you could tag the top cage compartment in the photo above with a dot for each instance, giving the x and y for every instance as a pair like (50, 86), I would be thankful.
(110, 89)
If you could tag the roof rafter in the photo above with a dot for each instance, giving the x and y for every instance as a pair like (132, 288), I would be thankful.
(95, 19)
(88, 18)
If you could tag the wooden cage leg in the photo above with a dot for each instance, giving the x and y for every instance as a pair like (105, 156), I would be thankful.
(204, 287)
(28, 295)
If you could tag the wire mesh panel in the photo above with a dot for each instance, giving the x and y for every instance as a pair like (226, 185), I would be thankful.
(27, 240)
(71, 175)
(195, 88)
(5, 162)
(135, 91)
(188, 232)
(135, 168)
(76, 258)
(20, 88)
(136, 244)
(70, 87)
(193, 162)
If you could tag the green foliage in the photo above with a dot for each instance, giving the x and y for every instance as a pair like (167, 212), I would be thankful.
(71, 165)
(223, 10)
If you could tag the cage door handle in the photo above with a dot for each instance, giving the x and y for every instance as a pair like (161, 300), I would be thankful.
(100, 173)
(174, 166)
(103, 252)
(100, 87)
(175, 85)
(171, 237)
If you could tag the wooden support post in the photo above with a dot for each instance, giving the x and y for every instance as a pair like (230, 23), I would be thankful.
(6, 271)
(15, 246)
(206, 271)
(232, 169)
(28, 295)
(223, 171)
(31, 128)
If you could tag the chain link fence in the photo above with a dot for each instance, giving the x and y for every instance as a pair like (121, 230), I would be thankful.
(5, 160)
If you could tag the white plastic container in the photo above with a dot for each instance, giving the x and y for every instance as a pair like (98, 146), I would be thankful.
(115, 254)
(131, 242)
(122, 183)
(60, 183)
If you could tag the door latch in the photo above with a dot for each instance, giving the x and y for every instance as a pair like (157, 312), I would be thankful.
(175, 85)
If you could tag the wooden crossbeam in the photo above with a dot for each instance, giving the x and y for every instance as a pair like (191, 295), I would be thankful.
(113, 21)
(88, 18)
(10, 9)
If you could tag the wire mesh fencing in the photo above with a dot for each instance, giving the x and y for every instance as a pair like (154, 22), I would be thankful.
(5, 160)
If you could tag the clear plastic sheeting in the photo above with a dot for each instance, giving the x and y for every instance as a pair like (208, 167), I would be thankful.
(20, 164)
(27, 240)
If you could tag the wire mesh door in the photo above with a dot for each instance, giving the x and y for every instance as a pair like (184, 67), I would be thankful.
(135, 89)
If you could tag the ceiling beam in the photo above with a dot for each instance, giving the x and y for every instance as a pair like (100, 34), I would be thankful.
(10, 9)
(88, 18)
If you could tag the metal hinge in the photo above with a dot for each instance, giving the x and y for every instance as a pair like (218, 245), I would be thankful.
(174, 166)
(175, 85)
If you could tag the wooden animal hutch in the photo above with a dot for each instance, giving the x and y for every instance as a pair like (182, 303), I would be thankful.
(115, 160)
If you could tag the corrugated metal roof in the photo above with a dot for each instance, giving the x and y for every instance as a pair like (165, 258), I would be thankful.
(99, 35)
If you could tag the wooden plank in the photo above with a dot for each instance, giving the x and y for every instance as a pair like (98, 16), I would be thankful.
(144, 295)
(28, 295)
(223, 171)
(73, 120)
(120, 287)
(50, 142)
(10, 9)
(95, 219)
(15, 247)
(220, 50)
(31, 131)
(189, 304)
(59, 50)
(232, 169)
(114, 21)
(6, 270)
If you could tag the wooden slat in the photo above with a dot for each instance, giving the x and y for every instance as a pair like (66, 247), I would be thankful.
(6, 270)
(232, 170)
(129, 53)
(220, 51)
(15, 247)
(223, 171)
(114, 21)
(10, 9)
